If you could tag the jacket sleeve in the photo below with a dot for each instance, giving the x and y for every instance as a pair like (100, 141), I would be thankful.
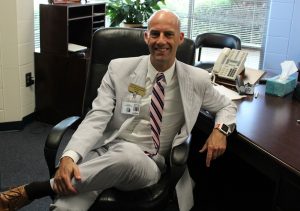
(91, 129)
(218, 104)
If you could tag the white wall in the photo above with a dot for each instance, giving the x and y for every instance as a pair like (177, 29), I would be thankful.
(283, 34)
(16, 59)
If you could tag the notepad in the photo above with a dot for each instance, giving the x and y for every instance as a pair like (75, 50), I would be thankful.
(75, 48)
(228, 92)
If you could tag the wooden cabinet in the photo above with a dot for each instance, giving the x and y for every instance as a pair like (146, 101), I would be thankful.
(61, 24)
(59, 74)
(59, 86)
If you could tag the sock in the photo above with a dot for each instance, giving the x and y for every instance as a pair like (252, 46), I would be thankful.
(36, 190)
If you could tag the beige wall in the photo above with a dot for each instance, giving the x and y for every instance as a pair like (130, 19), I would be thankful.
(16, 59)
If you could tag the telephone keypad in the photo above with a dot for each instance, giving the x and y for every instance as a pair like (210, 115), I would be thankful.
(227, 71)
(232, 72)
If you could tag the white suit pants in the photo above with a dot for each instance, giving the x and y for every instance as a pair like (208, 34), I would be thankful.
(119, 164)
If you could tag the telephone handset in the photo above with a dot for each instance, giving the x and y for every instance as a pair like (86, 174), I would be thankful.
(221, 60)
(230, 63)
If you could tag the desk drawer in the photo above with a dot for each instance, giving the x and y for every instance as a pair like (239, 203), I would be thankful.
(288, 193)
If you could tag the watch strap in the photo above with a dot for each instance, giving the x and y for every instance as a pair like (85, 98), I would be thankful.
(223, 128)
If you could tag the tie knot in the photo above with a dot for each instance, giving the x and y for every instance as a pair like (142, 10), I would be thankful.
(160, 77)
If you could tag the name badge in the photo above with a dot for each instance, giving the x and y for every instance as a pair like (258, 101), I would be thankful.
(136, 89)
(131, 104)
(132, 108)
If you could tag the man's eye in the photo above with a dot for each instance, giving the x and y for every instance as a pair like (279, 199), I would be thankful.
(154, 34)
(169, 34)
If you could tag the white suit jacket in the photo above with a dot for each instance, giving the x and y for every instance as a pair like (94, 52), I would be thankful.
(105, 121)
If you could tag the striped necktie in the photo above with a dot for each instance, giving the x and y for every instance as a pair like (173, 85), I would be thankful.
(156, 109)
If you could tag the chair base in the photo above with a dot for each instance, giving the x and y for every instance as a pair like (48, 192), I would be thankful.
(153, 198)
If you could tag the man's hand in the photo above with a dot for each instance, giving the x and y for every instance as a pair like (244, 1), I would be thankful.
(215, 146)
(63, 176)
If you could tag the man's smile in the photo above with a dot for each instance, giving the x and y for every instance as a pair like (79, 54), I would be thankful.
(161, 49)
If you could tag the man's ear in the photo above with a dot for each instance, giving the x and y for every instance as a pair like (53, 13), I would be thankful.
(181, 37)
(146, 37)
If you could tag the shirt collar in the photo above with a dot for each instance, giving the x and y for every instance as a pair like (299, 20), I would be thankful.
(152, 72)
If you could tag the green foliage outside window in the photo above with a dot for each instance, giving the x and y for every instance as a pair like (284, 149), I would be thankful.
(131, 12)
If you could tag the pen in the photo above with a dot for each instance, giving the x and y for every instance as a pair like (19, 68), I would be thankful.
(256, 94)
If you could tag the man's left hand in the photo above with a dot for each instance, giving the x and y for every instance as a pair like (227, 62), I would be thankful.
(215, 146)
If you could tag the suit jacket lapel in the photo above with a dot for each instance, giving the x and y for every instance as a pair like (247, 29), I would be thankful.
(186, 91)
(138, 76)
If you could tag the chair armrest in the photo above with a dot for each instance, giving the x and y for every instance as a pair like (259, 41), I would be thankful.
(54, 139)
(178, 160)
(179, 153)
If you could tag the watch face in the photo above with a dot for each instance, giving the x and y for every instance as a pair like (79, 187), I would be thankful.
(225, 128)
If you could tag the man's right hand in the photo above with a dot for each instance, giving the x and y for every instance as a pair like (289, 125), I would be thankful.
(63, 177)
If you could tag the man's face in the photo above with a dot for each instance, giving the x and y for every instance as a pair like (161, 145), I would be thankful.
(163, 38)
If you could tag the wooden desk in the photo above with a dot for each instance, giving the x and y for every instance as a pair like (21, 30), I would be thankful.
(268, 140)
(269, 123)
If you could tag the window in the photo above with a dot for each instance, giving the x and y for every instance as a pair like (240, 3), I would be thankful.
(36, 4)
(244, 18)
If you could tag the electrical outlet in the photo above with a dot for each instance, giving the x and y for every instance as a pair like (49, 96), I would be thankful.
(28, 79)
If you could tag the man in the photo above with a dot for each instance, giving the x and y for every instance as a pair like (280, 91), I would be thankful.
(123, 140)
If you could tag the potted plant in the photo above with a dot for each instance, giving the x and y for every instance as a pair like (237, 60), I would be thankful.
(131, 12)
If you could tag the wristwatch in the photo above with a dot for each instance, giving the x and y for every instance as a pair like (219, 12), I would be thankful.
(223, 129)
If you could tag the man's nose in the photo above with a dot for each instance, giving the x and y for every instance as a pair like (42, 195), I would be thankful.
(161, 38)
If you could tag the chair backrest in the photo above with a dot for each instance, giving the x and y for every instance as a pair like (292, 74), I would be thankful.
(112, 43)
(217, 40)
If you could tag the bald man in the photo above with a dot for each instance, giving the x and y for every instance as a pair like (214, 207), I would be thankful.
(113, 147)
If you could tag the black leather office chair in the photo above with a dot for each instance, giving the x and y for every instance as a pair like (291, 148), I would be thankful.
(108, 44)
(214, 40)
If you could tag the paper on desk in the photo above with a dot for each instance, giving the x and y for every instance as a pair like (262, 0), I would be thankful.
(253, 75)
(287, 68)
(75, 48)
(228, 92)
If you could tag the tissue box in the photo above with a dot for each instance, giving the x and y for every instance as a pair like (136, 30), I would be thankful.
(280, 87)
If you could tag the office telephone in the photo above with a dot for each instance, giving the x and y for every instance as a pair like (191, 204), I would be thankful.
(230, 63)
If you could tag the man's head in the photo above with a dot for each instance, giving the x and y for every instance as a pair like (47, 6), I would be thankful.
(163, 37)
